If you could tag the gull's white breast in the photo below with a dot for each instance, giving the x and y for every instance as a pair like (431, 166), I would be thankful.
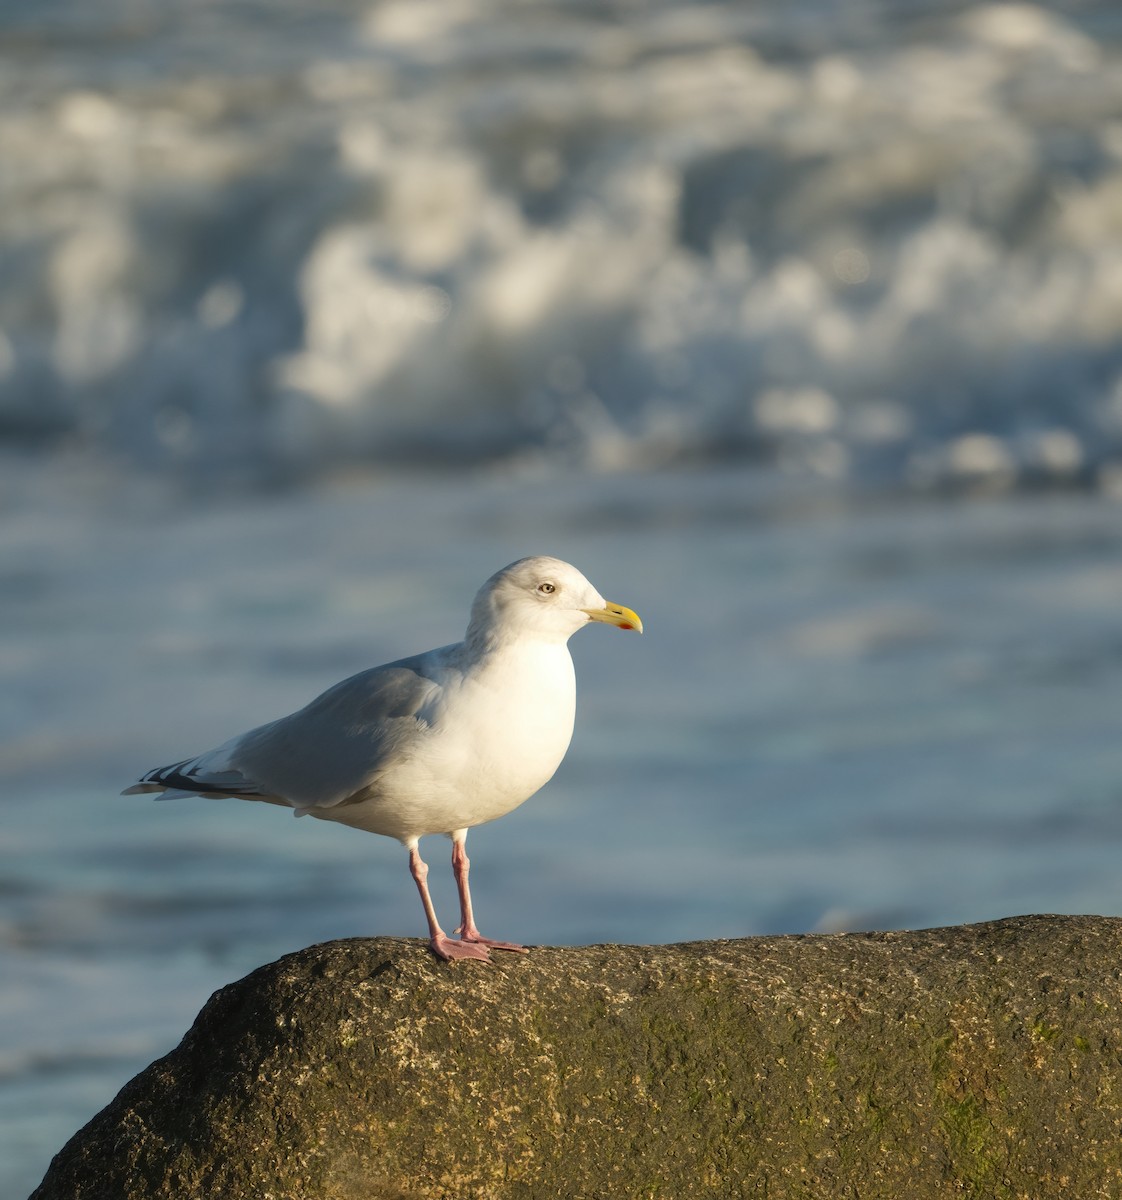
(494, 734)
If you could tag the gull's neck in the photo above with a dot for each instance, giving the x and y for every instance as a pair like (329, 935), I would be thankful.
(484, 639)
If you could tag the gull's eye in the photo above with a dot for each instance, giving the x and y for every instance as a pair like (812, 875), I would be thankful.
(546, 589)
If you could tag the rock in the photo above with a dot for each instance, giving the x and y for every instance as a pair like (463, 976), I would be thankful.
(980, 1061)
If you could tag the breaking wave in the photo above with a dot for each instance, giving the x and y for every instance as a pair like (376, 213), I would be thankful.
(871, 244)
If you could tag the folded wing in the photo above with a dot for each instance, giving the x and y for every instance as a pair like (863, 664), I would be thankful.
(322, 755)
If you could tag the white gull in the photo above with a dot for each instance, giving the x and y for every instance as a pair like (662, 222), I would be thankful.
(436, 743)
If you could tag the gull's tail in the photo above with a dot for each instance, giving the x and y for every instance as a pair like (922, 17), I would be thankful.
(191, 778)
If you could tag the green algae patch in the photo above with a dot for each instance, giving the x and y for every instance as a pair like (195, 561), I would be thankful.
(976, 1061)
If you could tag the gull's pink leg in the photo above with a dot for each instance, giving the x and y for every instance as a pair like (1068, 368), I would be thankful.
(468, 932)
(442, 945)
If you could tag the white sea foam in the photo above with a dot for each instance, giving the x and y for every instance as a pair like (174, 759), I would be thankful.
(382, 238)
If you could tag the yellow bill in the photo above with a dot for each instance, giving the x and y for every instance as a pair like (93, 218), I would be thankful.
(615, 614)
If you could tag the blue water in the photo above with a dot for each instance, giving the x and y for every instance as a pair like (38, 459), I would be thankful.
(797, 328)
(841, 716)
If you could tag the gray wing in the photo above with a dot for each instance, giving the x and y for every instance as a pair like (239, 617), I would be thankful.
(322, 755)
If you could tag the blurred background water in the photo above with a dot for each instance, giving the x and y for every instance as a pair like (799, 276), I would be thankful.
(795, 326)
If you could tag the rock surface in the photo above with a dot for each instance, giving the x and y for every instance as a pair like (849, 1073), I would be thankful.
(981, 1061)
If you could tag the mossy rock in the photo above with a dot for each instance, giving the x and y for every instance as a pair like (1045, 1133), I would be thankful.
(979, 1061)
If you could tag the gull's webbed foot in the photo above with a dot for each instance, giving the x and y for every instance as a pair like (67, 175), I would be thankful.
(450, 949)
(473, 937)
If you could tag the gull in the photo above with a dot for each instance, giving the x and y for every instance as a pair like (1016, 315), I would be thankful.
(436, 743)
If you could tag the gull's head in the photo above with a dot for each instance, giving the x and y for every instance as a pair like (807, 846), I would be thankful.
(542, 598)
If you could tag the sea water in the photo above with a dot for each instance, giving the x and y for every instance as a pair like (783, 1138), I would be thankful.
(796, 327)
(841, 716)
(874, 241)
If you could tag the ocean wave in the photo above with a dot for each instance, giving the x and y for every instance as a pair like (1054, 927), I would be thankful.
(868, 247)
